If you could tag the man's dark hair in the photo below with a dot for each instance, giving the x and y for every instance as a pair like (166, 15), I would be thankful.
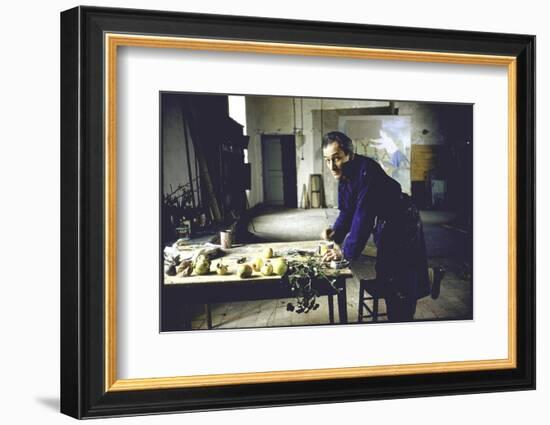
(343, 141)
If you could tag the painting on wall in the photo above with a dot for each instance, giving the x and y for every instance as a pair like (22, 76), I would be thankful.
(384, 138)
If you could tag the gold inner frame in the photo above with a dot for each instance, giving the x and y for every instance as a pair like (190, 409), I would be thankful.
(113, 41)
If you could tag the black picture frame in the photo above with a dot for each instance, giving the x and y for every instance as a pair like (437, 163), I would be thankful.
(83, 366)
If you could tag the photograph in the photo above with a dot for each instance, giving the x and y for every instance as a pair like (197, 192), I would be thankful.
(300, 211)
(266, 212)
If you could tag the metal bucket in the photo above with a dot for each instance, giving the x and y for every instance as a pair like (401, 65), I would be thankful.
(226, 239)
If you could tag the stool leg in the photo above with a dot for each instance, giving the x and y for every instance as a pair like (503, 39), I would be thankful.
(360, 312)
(330, 309)
(375, 309)
(208, 316)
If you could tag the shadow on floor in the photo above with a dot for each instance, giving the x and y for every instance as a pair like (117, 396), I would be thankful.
(49, 402)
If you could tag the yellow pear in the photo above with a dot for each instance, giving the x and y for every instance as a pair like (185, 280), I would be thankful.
(280, 266)
(267, 253)
(222, 269)
(257, 264)
(267, 269)
(244, 271)
(202, 268)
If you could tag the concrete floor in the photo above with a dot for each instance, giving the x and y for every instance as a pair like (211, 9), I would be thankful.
(446, 246)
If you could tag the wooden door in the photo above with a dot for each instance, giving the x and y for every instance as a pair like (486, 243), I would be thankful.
(272, 159)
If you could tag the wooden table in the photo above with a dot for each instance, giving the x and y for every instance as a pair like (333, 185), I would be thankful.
(181, 293)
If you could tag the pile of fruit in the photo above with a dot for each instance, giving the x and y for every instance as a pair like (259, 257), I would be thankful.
(265, 264)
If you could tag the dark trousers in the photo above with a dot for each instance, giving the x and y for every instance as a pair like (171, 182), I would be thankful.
(400, 307)
(401, 264)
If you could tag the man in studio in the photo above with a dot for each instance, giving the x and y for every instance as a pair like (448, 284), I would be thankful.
(371, 202)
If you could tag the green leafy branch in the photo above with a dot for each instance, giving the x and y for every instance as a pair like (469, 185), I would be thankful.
(304, 278)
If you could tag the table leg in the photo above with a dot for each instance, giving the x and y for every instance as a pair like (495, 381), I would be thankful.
(330, 308)
(342, 300)
(208, 316)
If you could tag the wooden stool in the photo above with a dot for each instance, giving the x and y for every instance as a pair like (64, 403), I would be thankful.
(369, 290)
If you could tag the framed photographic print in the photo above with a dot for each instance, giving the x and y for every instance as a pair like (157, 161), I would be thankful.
(261, 212)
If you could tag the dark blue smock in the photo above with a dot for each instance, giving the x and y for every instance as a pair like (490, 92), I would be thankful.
(371, 202)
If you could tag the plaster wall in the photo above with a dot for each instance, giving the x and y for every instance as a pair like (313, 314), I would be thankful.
(267, 115)
(174, 155)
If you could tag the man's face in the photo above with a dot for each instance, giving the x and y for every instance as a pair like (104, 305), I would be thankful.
(335, 158)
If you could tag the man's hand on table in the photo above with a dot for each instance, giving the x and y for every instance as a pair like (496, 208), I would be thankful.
(327, 234)
(333, 255)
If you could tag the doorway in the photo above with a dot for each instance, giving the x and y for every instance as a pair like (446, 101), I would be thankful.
(279, 170)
